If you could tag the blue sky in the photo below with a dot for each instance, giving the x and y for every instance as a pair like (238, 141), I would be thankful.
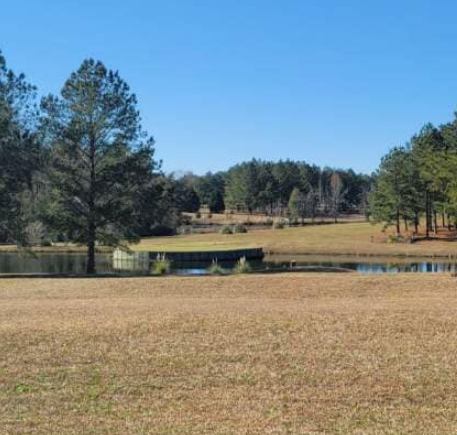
(331, 82)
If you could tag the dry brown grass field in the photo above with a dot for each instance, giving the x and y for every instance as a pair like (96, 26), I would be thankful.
(284, 354)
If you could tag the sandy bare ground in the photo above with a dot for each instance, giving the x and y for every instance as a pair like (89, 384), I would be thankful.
(283, 354)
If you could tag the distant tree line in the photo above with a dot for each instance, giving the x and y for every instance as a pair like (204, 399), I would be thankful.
(416, 184)
(285, 188)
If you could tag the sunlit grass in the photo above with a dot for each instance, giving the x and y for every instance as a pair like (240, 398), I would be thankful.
(349, 239)
(247, 354)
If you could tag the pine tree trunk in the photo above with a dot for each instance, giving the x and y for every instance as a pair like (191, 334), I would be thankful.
(435, 222)
(416, 223)
(91, 233)
(406, 223)
(427, 215)
(90, 268)
(398, 224)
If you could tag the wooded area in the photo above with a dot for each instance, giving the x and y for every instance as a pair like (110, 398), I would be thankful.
(78, 167)
(417, 183)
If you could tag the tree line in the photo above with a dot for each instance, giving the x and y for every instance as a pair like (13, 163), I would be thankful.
(286, 188)
(416, 184)
(78, 167)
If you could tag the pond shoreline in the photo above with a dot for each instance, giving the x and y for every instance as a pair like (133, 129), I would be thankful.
(304, 269)
(268, 251)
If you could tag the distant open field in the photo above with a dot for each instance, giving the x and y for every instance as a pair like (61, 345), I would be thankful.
(284, 354)
(359, 238)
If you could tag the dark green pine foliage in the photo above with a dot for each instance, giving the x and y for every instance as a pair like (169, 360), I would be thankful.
(392, 198)
(210, 191)
(19, 153)
(101, 160)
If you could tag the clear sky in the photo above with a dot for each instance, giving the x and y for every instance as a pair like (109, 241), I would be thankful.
(332, 82)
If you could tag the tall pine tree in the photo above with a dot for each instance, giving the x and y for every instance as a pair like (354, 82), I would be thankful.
(101, 159)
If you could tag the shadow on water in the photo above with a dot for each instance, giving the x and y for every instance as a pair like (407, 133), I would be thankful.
(55, 263)
(65, 263)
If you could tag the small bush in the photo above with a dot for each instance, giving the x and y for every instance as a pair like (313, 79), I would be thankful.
(293, 222)
(278, 225)
(161, 266)
(215, 268)
(35, 233)
(185, 220)
(226, 230)
(46, 243)
(242, 266)
(391, 238)
(210, 215)
(198, 215)
(240, 229)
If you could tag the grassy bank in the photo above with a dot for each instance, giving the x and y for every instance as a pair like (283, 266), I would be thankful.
(286, 354)
(343, 239)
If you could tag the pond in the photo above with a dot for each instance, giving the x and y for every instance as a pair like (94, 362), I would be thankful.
(65, 263)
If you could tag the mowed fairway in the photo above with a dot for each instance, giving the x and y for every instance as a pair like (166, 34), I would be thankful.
(361, 238)
(283, 354)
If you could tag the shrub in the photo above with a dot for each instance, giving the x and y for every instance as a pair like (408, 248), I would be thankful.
(210, 215)
(161, 230)
(161, 266)
(278, 225)
(391, 238)
(242, 266)
(215, 268)
(185, 220)
(240, 229)
(36, 233)
(226, 230)
(198, 215)
(294, 222)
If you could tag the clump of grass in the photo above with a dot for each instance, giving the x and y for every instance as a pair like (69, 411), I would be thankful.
(215, 268)
(240, 229)
(161, 266)
(242, 266)
(278, 225)
(392, 239)
(226, 230)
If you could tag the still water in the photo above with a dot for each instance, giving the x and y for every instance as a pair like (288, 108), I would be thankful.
(76, 263)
